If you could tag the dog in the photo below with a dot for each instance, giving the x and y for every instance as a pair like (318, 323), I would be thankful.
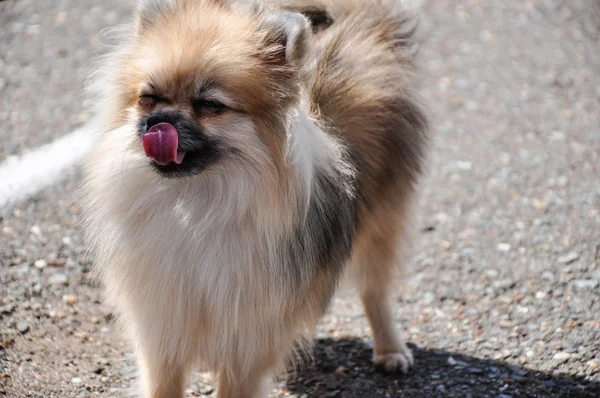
(251, 155)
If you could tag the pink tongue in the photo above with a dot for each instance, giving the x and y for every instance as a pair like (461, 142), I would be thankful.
(160, 144)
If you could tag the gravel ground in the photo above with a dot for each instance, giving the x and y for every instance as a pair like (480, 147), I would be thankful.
(43, 47)
(502, 297)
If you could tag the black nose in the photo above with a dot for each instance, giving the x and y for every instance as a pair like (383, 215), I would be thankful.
(154, 119)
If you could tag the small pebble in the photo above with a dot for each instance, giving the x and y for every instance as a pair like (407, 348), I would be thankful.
(340, 371)
(583, 284)
(451, 361)
(519, 371)
(503, 284)
(522, 309)
(61, 315)
(429, 297)
(22, 327)
(58, 279)
(504, 396)
(540, 204)
(462, 164)
(76, 380)
(36, 230)
(529, 354)
(40, 264)
(441, 389)
(540, 295)
(50, 258)
(486, 35)
(557, 136)
(568, 258)
(7, 309)
(70, 299)
(561, 356)
(9, 232)
(474, 371)
(593, 364)
(548, 276)
(59, 262)
(492, 273)
(503, 247)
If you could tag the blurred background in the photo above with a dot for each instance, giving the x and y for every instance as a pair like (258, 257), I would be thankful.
(501, 298)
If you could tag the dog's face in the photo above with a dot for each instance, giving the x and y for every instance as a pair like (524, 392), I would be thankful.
(205, 83)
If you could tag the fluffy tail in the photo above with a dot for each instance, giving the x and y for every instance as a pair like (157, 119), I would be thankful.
(366, 86)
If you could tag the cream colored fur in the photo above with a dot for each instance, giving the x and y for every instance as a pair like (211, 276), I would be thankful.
(188, 263)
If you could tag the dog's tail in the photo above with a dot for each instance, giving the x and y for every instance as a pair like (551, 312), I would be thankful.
(367, 83)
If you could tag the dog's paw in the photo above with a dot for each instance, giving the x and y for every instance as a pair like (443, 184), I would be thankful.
(395, 361)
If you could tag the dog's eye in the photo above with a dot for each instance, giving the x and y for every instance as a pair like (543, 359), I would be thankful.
(148, 101)
(209, 106)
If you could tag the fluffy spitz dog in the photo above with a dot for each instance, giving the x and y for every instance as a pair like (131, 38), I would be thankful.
(250, 155)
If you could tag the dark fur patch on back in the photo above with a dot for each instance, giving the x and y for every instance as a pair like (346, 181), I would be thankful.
(319, 19)
(324, 240)
(330, 222)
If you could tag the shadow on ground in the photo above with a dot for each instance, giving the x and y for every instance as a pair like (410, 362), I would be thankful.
(432, 375)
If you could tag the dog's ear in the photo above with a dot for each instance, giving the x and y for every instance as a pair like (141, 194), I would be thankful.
(287, 37)
(148, 10)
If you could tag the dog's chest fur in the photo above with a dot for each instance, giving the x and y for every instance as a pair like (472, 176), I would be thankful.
(216, 258)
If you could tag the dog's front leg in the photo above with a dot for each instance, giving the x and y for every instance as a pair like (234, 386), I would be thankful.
(159, 378)
(235, 384)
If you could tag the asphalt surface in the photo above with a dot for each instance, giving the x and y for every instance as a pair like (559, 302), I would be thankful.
(502, 298)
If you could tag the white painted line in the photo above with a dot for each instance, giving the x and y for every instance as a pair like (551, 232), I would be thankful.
(25, 175)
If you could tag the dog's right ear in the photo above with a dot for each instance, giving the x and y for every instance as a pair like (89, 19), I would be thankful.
(288, 34)
(148, 10)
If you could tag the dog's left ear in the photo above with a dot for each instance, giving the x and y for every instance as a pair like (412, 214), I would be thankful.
(287, 37)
